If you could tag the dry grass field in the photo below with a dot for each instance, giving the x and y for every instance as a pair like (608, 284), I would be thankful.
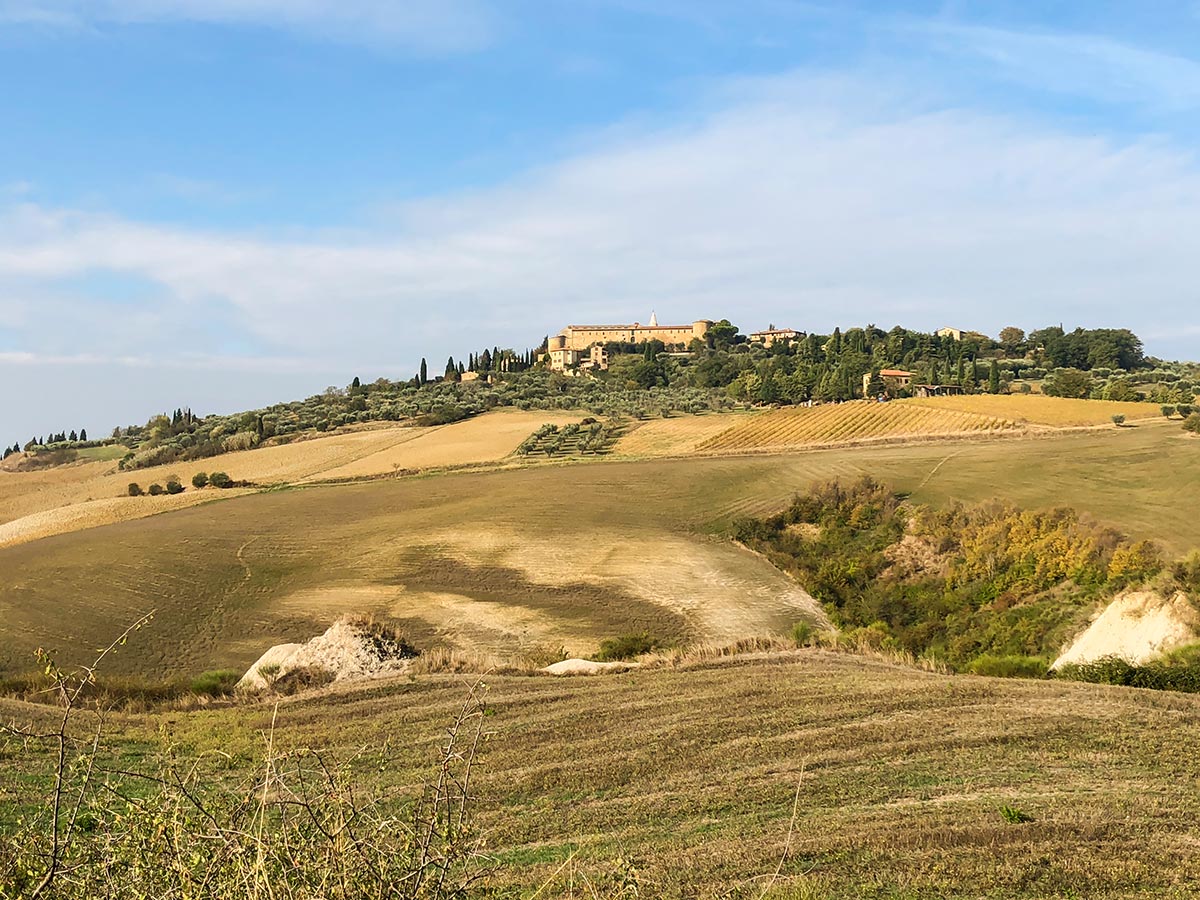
(517, 557)
(807, 775)
(483, 439)
(676, 436)
(1037, 409)
(55, 501)
(846, 423)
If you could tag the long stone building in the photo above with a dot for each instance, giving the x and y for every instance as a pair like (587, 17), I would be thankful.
(582, 345)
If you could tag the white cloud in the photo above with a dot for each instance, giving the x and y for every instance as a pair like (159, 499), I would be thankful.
(436, 26)
(807, 202)
(1082, 64)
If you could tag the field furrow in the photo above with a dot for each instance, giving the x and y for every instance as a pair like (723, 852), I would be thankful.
(837, 423)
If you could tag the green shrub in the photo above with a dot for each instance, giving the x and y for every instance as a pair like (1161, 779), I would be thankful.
(1014, 816)
(1192, 423)
(802, 633)
(200, 480)
(1168, 411)
(1118, 420)
(627, 646)
(156, 490)
(174, 486)
(220, 480)
(1009, 666)
(215, 683)
(135, 489)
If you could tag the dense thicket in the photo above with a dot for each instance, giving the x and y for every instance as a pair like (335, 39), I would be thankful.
(958, 585)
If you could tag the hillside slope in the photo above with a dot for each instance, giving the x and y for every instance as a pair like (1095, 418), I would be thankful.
(565, 553)
(688, 783)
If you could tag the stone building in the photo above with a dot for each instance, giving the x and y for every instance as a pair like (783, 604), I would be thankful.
(582, 346)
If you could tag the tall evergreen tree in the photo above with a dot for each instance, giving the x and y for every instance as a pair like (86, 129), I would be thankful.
(424, 376)
(83, 434)
(994, 378)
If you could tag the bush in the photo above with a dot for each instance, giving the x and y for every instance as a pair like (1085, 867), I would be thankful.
(627, 646)
(1009, 666)
(135, 489)
(157, 489)
(200, 480)
(1118, 420)
(215, 683)
(174, 486)
(802, 633)
(1192, 423)
(220, 480)
(1168, 411)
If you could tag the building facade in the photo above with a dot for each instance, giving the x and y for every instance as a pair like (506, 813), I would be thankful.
(582, 346)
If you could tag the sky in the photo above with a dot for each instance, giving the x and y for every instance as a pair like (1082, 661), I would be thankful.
(226, 203)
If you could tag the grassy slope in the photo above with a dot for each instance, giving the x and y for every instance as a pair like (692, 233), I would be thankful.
(560, 553)
(40, 500)
(691, 775)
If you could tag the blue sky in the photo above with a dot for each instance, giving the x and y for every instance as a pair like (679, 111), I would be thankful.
(221, 203)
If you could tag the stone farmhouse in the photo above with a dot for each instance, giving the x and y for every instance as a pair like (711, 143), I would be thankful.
(775, 335)
(893, 381)
(581, 347)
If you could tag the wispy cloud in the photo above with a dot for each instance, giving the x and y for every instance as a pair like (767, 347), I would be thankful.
(807, 201)
(428, 26)
(1085, 65)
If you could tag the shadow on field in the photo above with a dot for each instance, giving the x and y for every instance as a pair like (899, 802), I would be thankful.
(601, 610)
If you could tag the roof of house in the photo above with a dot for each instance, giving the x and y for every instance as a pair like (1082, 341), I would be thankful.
(775, 331)
(635, 326)
(894, 373)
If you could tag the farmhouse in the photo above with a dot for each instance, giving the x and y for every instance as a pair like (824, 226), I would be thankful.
(582, 346)
(773, 334)
(955, 333)
(894, 380)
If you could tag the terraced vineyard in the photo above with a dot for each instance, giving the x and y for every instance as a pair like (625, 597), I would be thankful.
(841, 423)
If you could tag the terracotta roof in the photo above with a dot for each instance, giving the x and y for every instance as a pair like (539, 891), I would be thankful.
(894, 373)
(634, 327)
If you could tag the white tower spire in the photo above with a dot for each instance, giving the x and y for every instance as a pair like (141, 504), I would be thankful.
(653, 319)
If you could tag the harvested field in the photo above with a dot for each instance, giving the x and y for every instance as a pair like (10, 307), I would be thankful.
(93, 513)
(483, 439)
(677, 436)
(850, 778)
(1037, 409)
(41, 503)
(848, 423)
(572, 554)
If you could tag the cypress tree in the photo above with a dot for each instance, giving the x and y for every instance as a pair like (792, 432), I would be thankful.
(424, 371)
(994, 378)
(83, 434)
